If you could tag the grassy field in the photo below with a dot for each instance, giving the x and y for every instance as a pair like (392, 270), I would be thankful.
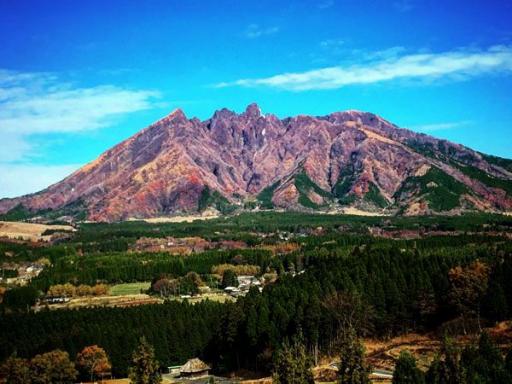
(129, 288)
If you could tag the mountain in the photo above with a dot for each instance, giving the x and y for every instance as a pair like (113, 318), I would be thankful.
(249, 160)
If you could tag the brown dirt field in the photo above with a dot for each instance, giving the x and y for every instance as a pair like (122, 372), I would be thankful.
(265, 380)
(382, 354)
(122, 381)
(29, 231)
(108, 301)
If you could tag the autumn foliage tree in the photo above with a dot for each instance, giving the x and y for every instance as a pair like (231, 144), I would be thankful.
(93, 362)
(349, 312)
(468, 286)
(53, 367)
(16, 370)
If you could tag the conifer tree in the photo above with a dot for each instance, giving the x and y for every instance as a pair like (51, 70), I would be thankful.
(446, 369)
(229, 279)
(435, 374)
(484, 364)
(508, 362)
(145, 368)
(406, 371)
(353, 368)
(292, 365)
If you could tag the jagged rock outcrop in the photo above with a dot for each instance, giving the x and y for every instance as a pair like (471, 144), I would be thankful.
(241, 161)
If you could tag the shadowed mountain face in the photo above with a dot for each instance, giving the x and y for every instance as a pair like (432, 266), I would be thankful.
(236, 161)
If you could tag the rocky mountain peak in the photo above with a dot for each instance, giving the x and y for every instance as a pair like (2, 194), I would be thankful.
(231, 161)
(177, 114)
(253, 110)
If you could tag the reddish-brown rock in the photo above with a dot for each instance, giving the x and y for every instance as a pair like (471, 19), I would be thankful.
(350, 157)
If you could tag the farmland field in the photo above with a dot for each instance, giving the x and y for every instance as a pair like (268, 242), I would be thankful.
(216, 297)
(29, 231)
(129, 288)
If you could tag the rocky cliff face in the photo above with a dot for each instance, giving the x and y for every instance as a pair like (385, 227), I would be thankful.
(249, 160)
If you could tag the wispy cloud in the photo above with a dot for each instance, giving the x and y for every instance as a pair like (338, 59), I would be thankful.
(38, 103)
(330, 44)
(440, 126)
(460, 64)
(35, 104)
(31, 103)
(254, 31)
(17, 148)
(18, 179)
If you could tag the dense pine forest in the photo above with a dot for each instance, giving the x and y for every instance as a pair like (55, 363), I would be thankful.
(454, 278)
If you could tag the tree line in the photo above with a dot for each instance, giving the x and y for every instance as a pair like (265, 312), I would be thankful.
(56, 367)
(389, 289)
(480, 362)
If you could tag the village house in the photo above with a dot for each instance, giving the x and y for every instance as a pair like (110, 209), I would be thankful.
(194, 368)
(246, 282)
(233, 291)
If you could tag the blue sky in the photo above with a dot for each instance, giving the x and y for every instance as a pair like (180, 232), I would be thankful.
(78, 77)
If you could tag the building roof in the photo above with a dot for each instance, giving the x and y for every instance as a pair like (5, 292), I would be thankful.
(194, 366)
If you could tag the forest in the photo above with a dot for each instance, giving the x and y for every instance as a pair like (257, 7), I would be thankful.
(450, 284)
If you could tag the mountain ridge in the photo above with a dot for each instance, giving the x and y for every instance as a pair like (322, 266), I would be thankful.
(249, 160)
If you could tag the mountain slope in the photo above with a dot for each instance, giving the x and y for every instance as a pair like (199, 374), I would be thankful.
(231, 161)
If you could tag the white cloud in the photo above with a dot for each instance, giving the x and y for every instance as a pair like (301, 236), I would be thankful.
(15, 147)
(38, 103)
(32, 103)
(254, 31)
(16, 179)
(440, 126)
(458, 64)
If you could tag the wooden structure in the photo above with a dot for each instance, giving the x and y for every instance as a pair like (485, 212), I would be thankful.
(194, 368)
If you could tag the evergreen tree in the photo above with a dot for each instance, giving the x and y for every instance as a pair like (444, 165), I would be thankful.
(435, 373)
(145, 368)
(496, 305)
(292, 365)
(484, 364)
(453, 371)
(229, 279)
(446, 369)
(20, 298)
(508, 362)
(353, 368)
(406, 371)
